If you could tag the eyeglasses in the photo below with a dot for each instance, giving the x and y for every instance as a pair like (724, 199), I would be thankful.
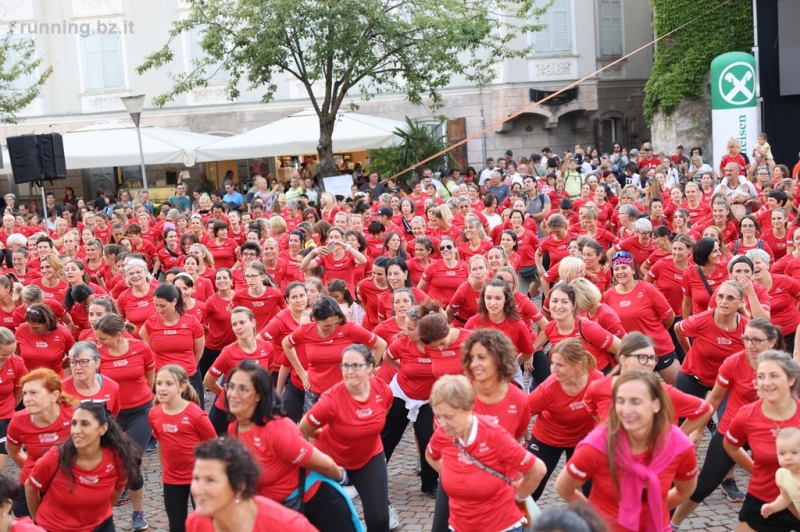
(84, 362)
(249, 254)
(445, 246)
(621, 254)
(355, 367)
(241, 389)
(249, 277)
(644, 233)
(755, 341)
(644, 359)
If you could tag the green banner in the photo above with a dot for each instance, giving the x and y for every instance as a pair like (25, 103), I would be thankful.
(733, 81)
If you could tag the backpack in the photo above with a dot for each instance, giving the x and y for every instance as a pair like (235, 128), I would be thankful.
(738, 242)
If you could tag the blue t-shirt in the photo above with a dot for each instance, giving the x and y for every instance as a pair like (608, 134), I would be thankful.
(184, 203)
(235, 199)
(501, 192)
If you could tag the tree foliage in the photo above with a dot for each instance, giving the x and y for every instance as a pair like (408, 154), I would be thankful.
(420, 140)
(18, 58)
(346, 49)
(683, 59)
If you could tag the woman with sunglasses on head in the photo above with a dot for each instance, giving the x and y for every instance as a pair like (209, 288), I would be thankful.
(640, 245)
(641, 307)
(86, 383)
(246, 347)
(84, 476)
(289, 386)
(346, 424)
(42, 341)
(734, 384)
(640, 441)
(328, 330)
(284, 455)
(44, 422)
(441, 279)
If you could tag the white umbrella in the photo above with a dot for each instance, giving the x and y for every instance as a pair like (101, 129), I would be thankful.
(114, 143)
(299, 134)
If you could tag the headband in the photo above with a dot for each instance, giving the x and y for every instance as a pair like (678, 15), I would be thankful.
(624, 260)
(740, 258)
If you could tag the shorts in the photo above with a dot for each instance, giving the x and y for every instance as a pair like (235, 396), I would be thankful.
(665, 361)
(778, 522)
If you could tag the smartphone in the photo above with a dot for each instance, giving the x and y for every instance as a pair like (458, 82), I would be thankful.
(331, 246)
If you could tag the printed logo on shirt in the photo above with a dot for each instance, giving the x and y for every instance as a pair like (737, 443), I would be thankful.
(723, 380)
(728, 435)
(49, 437)
(258, 303)
(512, 409)
(313, 420)
(85, 479)
(625, 303)
(483, 448)
(361, 413)
(578, 405)
(448, 353)
(41, 345)
(186, 421)
(423, 360)
(142, 304)
(120, 363)
(169, 332)
(170, 428)
(299, 456)
(257, 441)
(577, 472)
(35, 482)
(721, 340)
(450, 273)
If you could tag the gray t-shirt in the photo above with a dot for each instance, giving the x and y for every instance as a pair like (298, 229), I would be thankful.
(501, 192)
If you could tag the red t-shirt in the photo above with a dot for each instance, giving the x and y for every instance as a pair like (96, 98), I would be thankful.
(230, 357)
(711, 345)
(668, 280)
(563, 420)
(177, 435)
(264, 307)
(527, 244)
(343, 269)
(280, 273)
(46, 351)
(369, 294)
(607, 318)
(443, 281)
(137, 309)
(783, 298)
(588, 462)
(281, 450)
(777, 245)
(10, 374)
(56, 293)
(272, 517)
(598, 400)
(387, 330)
(640, 253)
(478, 500)
(415, 270)
(738, 377)
(594, 338)
(168, 260)
(276, 330)
(198, 311)
(464, 303)
(643, 309)
(128, 371)
(108, 393)
(751, 426)
(520, 334)
(511, 412)
(386, 307)
(447, 361)
(174, 344)
(325, 354)
(465, 252)
(37, 441)
(526, 309)
(224, 254)
(78, 504)
(218, 319)
(351, 429)
(415, 377)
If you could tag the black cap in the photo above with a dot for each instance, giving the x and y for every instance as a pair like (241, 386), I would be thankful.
(339, 197)
(536, 157)
(509, 152)
(385, 211)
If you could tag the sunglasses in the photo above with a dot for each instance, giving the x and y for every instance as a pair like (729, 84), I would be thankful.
(446, 246)
(622, 254)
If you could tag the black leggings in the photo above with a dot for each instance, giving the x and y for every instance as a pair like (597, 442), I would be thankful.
(715, 468)
(441, 512)
(541, 367)
(328, 510)
(392, 433)
(678, 347)
(135, 423)
(550, 456)
(196, 381)
(108, 526)
(293, 398)
(372, 484)
(690, 385)
(219, 420)
(207, 360)
(175, 498)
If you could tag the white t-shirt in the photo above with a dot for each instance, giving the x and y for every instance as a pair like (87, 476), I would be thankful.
(486, 175)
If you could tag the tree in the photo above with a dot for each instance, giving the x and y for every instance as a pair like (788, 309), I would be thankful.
(18, 61)
(344, 48)
(420, 140)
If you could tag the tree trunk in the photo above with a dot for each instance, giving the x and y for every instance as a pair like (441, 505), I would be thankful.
(327, 168)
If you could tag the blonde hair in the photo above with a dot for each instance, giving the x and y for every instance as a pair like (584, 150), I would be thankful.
(587, 295)
(575, 354)
(570, 268)
(453, 390)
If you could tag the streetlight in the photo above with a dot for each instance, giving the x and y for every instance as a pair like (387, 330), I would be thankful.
(134, 105)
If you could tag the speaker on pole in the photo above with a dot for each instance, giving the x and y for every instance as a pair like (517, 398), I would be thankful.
(37, 157)
(52, 156)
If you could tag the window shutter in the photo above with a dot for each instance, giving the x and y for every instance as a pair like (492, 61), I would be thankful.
(196, 53)
(610, 28)
(113, 77)
(24, 81)
(92, 62)
(556, 37)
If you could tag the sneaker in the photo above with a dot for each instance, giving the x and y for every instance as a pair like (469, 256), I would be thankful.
(138, 522)
(394, 520)
(351, 491)
(731, 490)
(675, 528)
(419, 467)
(712, 426)
(151, 445)
(124, 499)
(434, 491)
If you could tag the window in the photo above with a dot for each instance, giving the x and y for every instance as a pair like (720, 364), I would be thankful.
(556, 37)
(610, 28)
(213, 72)
(24, 81)
(102, 62)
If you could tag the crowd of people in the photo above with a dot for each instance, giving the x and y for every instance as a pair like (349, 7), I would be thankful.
(273, 347)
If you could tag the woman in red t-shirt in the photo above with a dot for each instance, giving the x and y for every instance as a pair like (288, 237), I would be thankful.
(13, 369)
(641, 307)
(562, 420)
(464, 302)
(757, 425)
(44, 422)
(42, 341)
(642, 414)
(170, 254)
(424, 249)
(479, 500)
(717, 335)
(347, 422)
(136, 303)
(85, 383)
(50, 282)
(185, 284)
(737, 380)
(446, 275)
(222, 248)
(595, 269)
(246, 346)
(402, 301)
(282, 451)
(590, 305)
(397, 276)
(178, 424)
(174, 336)
(218, 320)
(203, 288)
(214, 488)
(338, 257)
(10, 292)
(442, 344)
(261, 295)
(708, 266)
(82, 499)
(783, 291)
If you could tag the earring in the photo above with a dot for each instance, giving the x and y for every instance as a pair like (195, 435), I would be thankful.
(237, 501)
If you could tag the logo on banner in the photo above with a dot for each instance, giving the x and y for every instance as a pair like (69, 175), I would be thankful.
(737, 83)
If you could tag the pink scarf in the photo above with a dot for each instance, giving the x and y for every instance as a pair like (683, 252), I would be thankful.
(636, 475)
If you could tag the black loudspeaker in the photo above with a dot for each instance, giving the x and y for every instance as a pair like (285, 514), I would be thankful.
(37, 157)
(54, 164)
(23, 151)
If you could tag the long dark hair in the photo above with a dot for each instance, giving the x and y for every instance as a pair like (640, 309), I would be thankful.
(270, 405)
(509, 306)
(114, 439)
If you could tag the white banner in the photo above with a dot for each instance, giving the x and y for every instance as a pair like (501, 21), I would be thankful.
(740, 124)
